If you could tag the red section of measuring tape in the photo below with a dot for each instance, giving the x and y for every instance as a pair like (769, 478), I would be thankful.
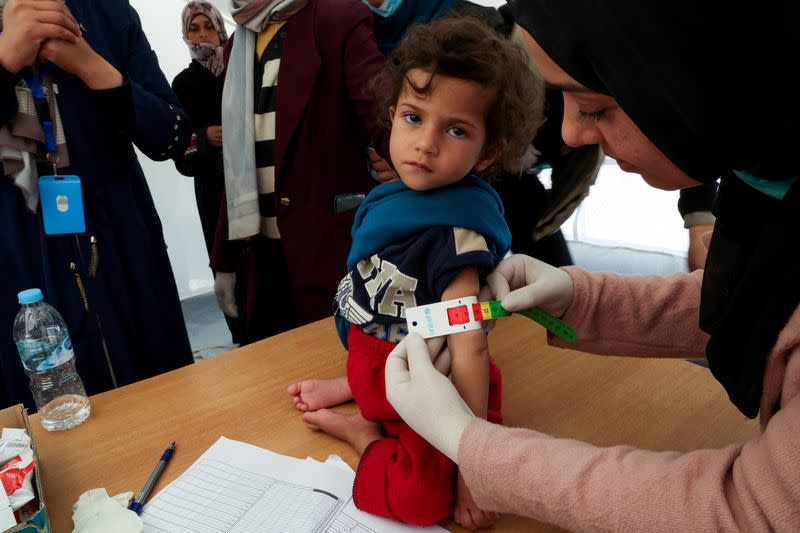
(477, 312)
(458, 315)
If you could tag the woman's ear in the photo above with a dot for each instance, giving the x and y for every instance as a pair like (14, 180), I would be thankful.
(490, 154)
(391, 113)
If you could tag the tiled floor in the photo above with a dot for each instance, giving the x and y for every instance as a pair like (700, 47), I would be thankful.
(208, 332)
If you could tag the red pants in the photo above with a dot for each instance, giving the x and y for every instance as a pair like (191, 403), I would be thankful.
(400, 477)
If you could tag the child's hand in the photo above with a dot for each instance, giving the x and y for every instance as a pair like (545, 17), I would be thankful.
(466, 513)
(380, 168)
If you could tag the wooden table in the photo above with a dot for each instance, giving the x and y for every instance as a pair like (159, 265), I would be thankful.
(656, 404)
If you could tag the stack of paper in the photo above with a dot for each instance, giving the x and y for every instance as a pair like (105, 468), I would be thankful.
(236, 487)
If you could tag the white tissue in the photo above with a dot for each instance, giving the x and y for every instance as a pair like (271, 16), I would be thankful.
(96, 512)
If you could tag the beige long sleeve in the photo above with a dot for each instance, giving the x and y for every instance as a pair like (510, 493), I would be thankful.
(752, 486)
(642, 316)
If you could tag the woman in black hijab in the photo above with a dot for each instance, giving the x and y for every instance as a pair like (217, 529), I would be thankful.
(681, 93)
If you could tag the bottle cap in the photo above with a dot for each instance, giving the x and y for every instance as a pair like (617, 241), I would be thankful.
(30, 296)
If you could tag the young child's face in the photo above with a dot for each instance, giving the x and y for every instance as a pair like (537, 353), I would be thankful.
(439, 137)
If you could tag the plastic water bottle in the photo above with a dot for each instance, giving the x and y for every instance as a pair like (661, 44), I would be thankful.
(44, 345)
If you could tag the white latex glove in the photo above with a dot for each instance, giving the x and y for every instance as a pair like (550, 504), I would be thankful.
(423, 397)
(96, 512)
(224, 285)
(522, 282)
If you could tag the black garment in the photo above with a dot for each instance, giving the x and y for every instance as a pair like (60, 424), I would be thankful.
(527, 204)
(711, 96)
(200, 94)
(525, 201)
(262, 274)
(502, 23)
(700, 198)
(750, 285)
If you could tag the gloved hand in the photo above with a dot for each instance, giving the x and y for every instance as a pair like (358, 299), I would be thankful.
(425, 399)
(522, 282)
(224, 285)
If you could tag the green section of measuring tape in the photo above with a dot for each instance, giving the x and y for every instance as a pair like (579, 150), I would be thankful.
(540, 316)
(554, 325)
(497, 309)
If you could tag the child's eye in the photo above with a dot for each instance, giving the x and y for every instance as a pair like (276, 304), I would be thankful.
(455, 131)
(411, 118)
(593, 117)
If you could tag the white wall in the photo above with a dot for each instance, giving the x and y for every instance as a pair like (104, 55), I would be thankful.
(624, 211)
(173, 193)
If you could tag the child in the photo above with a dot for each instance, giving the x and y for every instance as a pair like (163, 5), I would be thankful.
(460, 100)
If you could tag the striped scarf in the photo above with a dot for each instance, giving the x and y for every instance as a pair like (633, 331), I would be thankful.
(238, 112)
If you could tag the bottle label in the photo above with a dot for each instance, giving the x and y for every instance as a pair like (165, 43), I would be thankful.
(61, 354)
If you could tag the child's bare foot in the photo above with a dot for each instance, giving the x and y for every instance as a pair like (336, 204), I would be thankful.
(466, 513)
(353, 429)
(313, 394)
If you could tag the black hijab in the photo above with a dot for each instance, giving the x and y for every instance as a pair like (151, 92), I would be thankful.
(709, 84)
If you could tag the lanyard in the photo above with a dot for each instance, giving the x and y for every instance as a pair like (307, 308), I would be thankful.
(36, 84)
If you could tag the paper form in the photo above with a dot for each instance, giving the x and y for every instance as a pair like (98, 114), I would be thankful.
(236, 487)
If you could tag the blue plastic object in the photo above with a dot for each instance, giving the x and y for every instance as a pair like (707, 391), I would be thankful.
(30, 296)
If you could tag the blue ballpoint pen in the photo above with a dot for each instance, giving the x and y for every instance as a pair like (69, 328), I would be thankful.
(136, 504)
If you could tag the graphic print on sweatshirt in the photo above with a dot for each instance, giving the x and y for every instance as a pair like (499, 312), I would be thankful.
(414, 271)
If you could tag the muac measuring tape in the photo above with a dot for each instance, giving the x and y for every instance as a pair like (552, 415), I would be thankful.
(465, 314)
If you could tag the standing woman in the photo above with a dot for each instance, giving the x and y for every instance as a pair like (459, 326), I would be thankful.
(199, 90)
(680, 97)
(112, 283)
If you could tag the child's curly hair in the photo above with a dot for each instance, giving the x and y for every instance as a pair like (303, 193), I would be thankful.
(467, 49)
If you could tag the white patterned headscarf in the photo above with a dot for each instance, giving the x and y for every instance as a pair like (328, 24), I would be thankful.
(208, 55)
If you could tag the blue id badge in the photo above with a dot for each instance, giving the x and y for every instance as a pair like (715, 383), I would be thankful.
(62, 204)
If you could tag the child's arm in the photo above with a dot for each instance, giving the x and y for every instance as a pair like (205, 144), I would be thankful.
(469, 350)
